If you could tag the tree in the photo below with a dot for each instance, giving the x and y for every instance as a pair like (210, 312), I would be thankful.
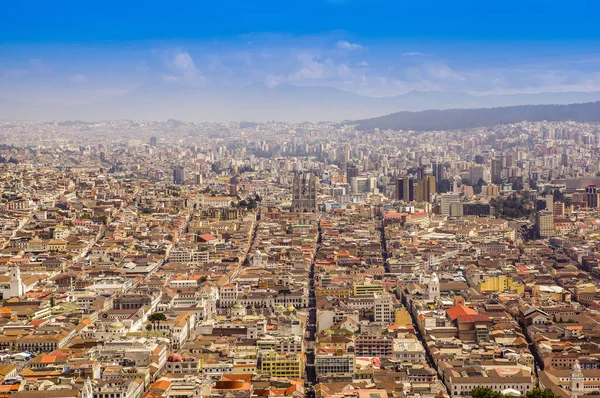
(443, 186)
(156, 318)
(485, 392)
(541, 393)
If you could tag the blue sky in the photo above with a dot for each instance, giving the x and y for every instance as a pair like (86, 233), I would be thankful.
(83, 51)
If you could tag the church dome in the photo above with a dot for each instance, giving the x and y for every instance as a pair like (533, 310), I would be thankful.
(116, 325)
(175, 358)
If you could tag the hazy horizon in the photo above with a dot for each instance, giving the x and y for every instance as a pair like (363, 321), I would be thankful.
(272, 60)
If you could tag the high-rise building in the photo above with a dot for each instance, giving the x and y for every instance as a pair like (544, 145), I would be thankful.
(476, 174)
(198, 179)
(446, 201)
(550, 202)
(405, 189)
(558, 209)
(178, 175)
(304, 193)
(496, 170)
(564, 159)
(544, 224)
(399, 188)
(426, 187)
(439, 172)
(153, 141)
(351, 171)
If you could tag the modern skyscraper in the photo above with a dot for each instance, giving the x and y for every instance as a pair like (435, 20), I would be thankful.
(153, 141)
(550, 202)
(476, 174)
(351, 171)
(496, 170)
(439, 172)
(425, 189)
(399, 188)
(405, 189)
(178, 175)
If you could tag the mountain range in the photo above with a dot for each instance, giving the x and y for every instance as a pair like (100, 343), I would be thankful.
(452, 119)
(257, 102)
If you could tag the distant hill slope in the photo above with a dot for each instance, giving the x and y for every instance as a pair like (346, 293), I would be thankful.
(469, 118)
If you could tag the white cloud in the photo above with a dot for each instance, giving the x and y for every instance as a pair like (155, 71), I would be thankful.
(315, 68)
(363, 63)
(273, 81)
(183, 69)
(184, 63)
(413, 54)
(346, 45)
(78, 78)
(442, 72)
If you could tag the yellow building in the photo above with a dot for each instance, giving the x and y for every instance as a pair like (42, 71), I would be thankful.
(340, 293)
(402, 317)
(283, 365)
(366, 289)
(500, 284)
(57, 245)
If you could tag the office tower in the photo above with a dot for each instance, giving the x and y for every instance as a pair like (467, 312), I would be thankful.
(399, 188)
(496, 170)
(446, 201)
(509, 159)
(439, 171)
(591, 194)
(153, 141)
(343, 156)
(304, 195)
(544, 224)
(564, 159)
(408, 189)
(426, 187)
(178, 175)
(476, 174)
(558, 209)
(198, 179)
(351, 171)
(479, 159)
(457, 209)
(549, 202)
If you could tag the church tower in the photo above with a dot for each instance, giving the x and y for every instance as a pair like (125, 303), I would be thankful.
(433, 289)
(16, 283)
(577, 380)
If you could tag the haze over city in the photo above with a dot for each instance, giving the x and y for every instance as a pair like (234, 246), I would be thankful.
(301, 199)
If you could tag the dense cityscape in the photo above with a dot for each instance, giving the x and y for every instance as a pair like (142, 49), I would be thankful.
(186, 260)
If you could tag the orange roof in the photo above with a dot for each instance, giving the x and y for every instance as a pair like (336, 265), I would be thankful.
(48, 359)
(238, 377)
(160, 385)
(207, 237)
(456, 311)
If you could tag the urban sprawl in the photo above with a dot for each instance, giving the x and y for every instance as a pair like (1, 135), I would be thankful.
(183, 260)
